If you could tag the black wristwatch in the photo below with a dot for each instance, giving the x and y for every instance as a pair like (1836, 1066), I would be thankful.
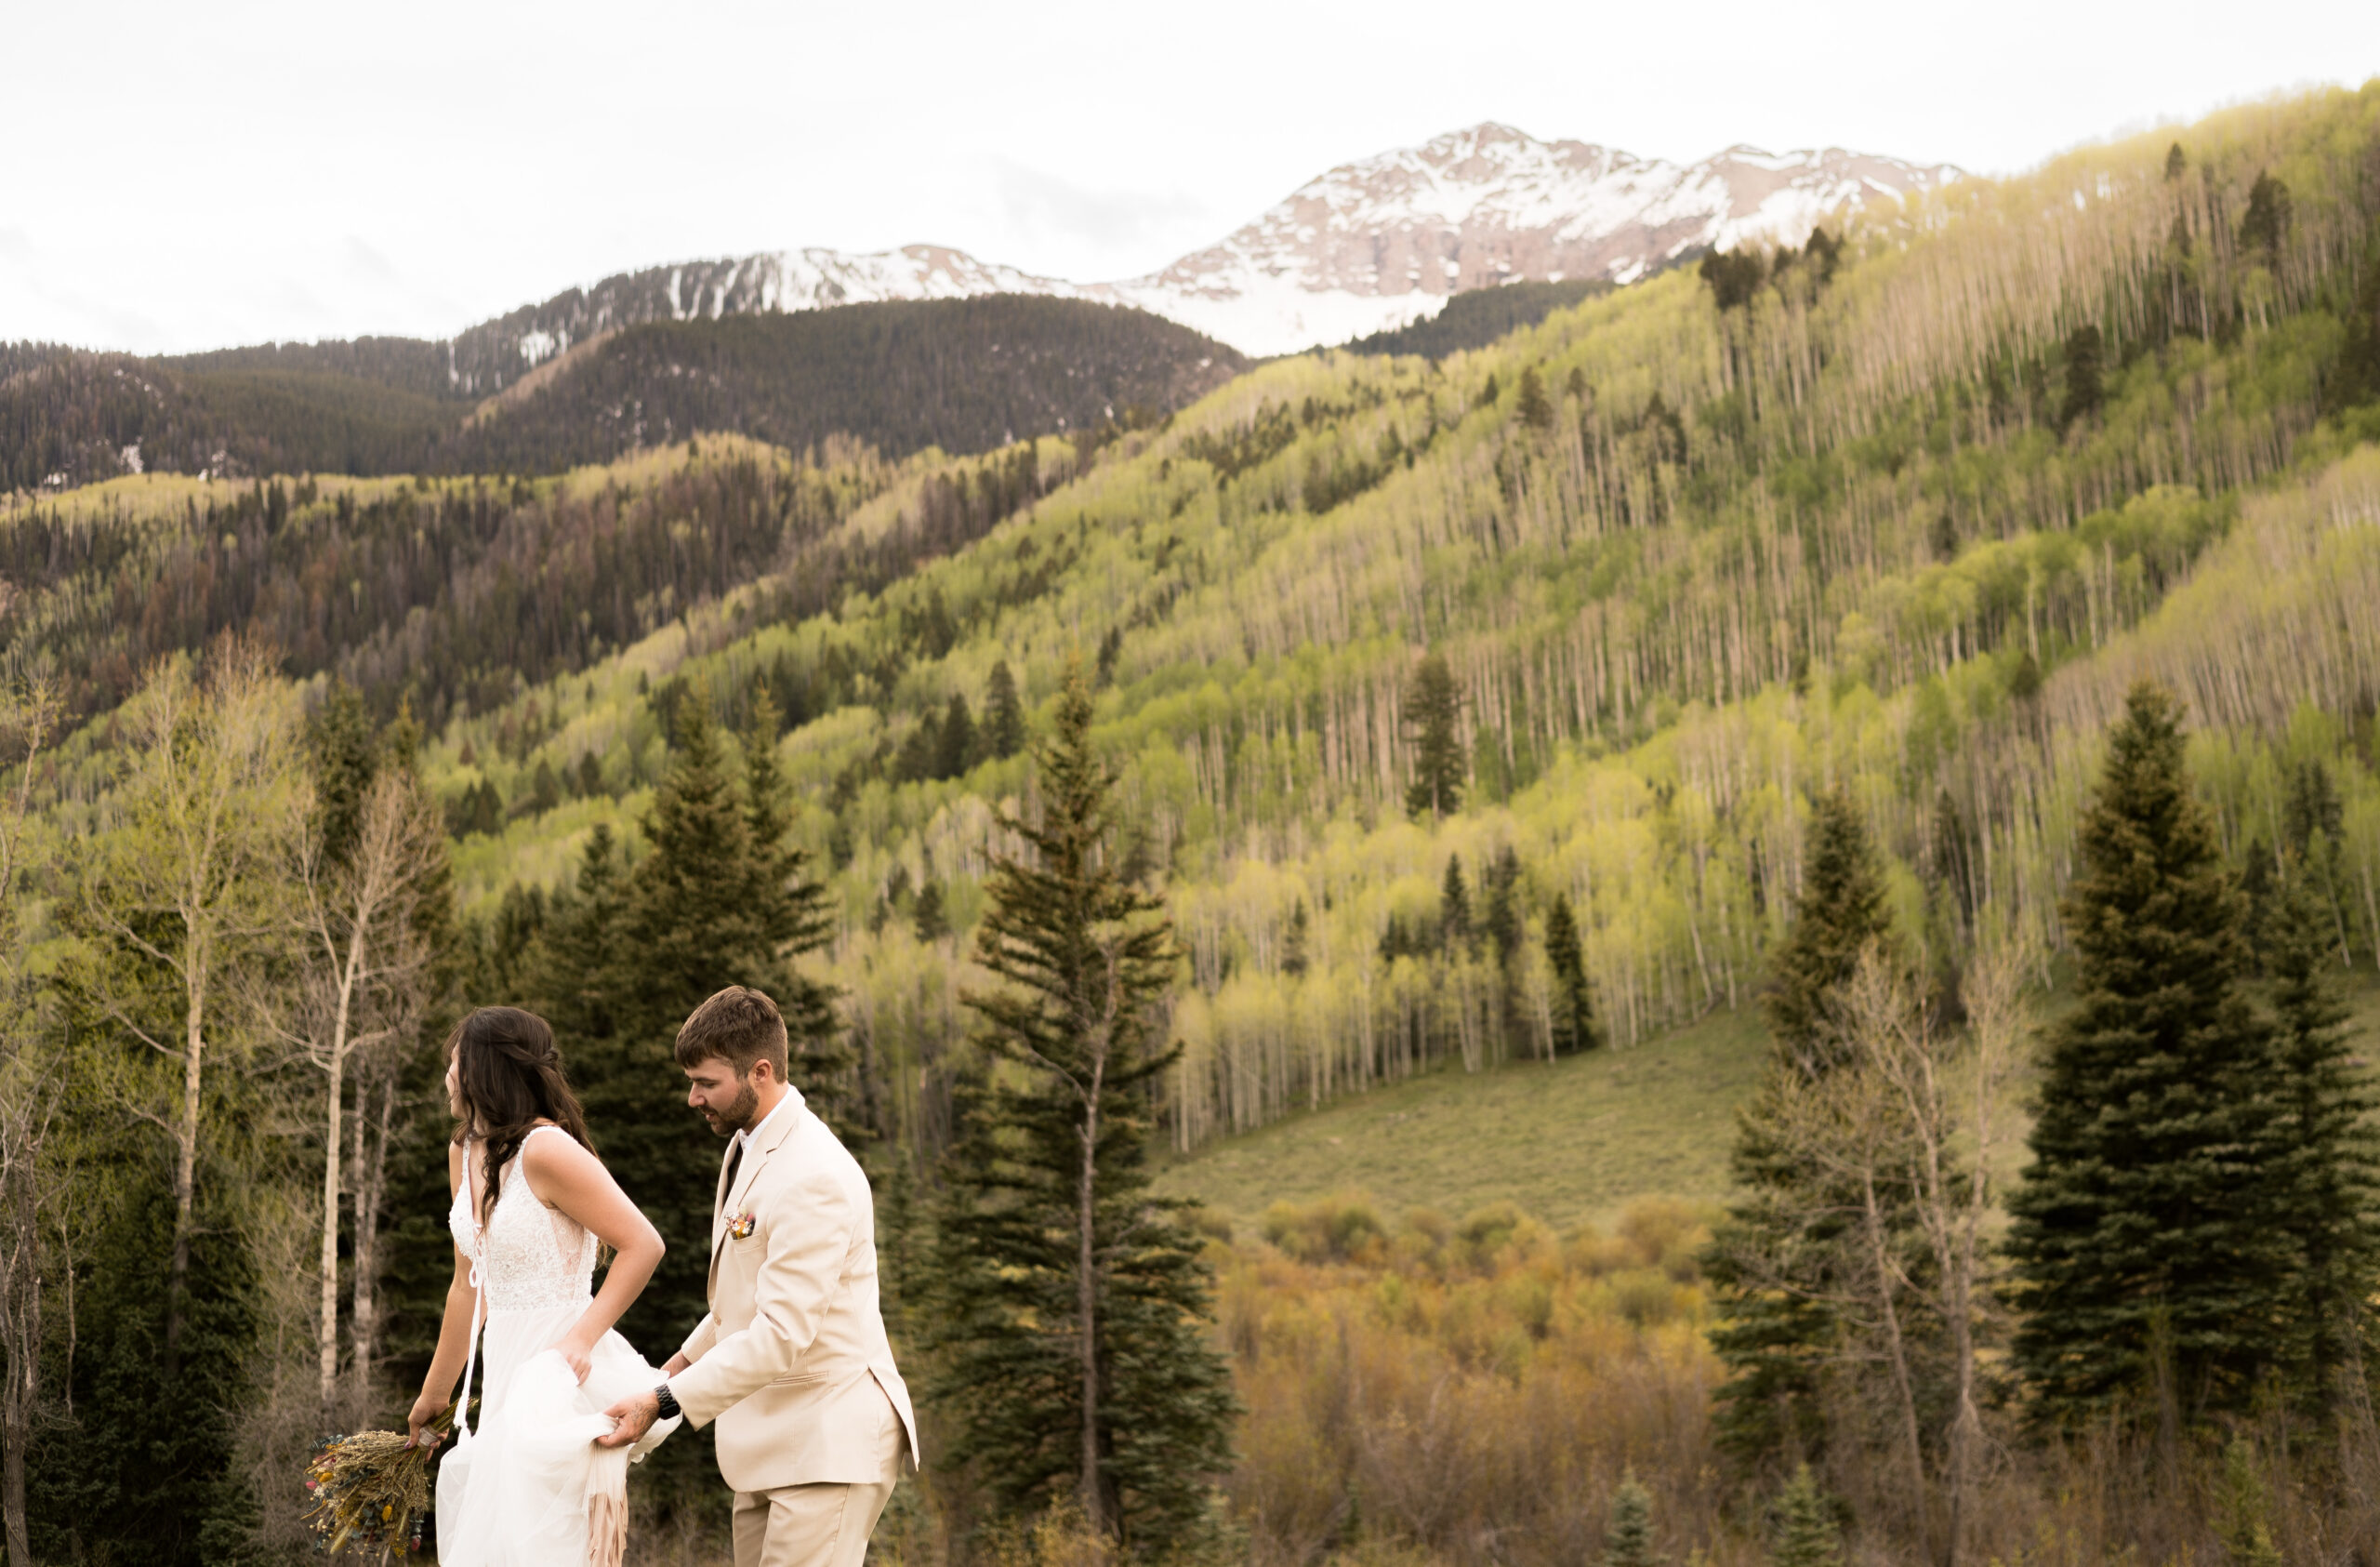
(670, 1410)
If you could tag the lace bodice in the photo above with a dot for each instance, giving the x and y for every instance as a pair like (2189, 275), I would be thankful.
(530, 1257)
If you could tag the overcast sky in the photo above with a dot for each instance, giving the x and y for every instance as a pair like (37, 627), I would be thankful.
(189, 175)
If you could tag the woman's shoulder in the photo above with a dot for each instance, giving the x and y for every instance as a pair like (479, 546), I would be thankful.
(542, 1152)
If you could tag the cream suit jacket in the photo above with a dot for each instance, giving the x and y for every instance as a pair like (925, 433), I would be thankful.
(790, 1357)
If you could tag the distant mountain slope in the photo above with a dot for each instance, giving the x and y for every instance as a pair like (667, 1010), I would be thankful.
(964, 374)
(1477, 317)
(1368, 247)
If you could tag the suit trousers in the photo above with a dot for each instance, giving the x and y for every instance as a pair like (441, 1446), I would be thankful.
(820, 1525)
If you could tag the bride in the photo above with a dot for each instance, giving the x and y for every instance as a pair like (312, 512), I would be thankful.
(528, 1488)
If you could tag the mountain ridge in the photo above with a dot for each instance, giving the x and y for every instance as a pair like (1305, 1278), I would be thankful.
(1474, 207)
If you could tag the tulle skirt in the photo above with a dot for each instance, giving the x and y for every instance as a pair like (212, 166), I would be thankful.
(517, 1492)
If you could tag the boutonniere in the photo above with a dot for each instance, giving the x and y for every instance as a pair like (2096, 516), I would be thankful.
(740, 1226)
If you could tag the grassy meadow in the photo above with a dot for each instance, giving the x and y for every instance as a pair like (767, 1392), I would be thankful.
(1569, 1142)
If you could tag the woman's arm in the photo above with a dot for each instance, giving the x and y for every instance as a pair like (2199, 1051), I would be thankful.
(454, 1332)
(567, 1178)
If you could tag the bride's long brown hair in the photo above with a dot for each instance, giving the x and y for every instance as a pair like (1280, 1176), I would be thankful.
(510, 1078)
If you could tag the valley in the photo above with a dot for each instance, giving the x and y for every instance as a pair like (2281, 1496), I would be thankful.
(1498, 713)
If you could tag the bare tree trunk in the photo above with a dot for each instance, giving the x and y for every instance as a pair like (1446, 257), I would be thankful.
(21, 1317)
(1094, 1501)
(186, 1153)
(334, 1124)
(326, 1344)
(371, 1192)
(1895, 1348)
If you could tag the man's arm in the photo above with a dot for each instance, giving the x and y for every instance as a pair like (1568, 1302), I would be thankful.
(698, 1343)
(807, 1239)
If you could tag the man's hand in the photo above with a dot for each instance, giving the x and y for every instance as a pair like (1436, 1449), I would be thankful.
(631, 1417)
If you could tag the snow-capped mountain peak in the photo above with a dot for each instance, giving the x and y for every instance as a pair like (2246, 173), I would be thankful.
(1360, 248)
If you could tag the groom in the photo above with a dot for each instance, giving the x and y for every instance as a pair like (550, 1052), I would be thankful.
(815, 1426)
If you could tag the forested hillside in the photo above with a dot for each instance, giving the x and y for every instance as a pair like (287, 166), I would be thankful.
(1463, 711)
(1683, 563)
(1478, 316)
(963, 375)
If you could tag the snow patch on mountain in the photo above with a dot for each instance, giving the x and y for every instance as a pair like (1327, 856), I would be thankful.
(1365, 247)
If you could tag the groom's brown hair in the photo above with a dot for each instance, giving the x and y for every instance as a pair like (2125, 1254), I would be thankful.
(738, 1025)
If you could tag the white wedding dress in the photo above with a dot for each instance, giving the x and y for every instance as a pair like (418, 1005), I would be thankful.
(519, 1492)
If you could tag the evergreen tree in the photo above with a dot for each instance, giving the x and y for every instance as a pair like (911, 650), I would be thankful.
(1072, 1343)
(1807, 1535)
(2267, 221)
(1774, 1340)
(958, 741)
(2141, 1237)
(591, 775)
(2355, 375)
(1566, 958)
(1454, 906)
(2247, 1514)
(1003, 734)
(791, 911)
(714, 901)
(1293, 944)
(2083, 391)
(1841, 908)
(920, 751)
(545, 789)
(346, 757)
(2175, 163)
(1431, 709)
(2328, 1177)
(1499, 920)
(1628, 1536)
(926, 915)
(1535, 410)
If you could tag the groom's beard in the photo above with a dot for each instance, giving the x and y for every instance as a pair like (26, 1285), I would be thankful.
(736, 1117)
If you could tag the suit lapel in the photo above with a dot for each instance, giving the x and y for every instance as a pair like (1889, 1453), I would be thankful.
(782, 1122)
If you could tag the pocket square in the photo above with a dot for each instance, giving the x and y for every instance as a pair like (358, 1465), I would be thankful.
(740, 1226)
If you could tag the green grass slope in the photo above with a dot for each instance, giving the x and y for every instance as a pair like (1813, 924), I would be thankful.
(1570, 1141)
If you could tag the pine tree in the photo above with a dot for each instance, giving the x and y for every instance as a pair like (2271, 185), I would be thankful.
(1841, 908)
(1774, 1340)
(2083, 391)
(1500, 919)
(1003, 732)
(1566, 958)
(591, 775)
(1071, 1338)
(2355, 375)
(2265, 223)
(958, 740)
(2247, 1526)
(1432, 709)
(2175, 163)
(791, 909)
(1807, 1535)
(1293, 944)
(717, 900)
(2328, 1177)
(2141, 1238)
(346, 757)
(1535, 410)
(1628, 1537)
(1454, 906)
(926, 916)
